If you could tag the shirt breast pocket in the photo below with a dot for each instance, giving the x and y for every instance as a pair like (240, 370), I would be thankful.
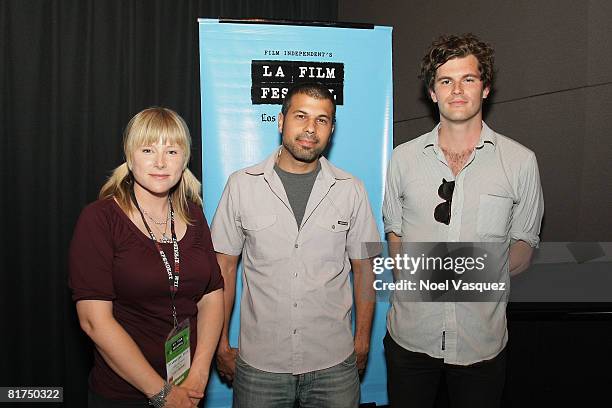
(262, 241)
(332, 229)
(494, 214)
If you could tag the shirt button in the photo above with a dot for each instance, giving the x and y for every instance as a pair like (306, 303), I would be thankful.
(296, 245)
(295, 274)
(333, 226)
(295, 304)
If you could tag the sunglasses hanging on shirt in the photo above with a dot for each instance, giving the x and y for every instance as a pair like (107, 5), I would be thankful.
(442, 212)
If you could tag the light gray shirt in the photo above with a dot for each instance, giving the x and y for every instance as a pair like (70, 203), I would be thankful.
(497, 198)
(295, 310)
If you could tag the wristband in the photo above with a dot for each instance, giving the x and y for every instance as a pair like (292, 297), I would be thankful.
(159, 400)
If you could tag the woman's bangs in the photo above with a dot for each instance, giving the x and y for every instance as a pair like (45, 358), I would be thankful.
(156, 128)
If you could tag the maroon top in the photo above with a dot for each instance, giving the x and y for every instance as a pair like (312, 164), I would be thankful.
(111, 259)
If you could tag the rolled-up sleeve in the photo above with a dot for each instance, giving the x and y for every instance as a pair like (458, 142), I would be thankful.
(226, 231)
(392, 203)
(363, 238)
(529, 209)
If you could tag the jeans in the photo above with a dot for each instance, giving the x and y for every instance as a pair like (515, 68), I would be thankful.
(413, 378)
(334, 387)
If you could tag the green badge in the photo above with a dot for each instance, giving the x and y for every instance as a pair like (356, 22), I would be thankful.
(178, 353)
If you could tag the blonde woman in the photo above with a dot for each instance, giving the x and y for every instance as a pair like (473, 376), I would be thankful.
(144, 276)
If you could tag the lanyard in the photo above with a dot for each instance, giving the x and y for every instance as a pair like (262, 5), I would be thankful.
(173, 278)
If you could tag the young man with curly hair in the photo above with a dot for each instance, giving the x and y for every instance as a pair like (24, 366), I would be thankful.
(461, 182)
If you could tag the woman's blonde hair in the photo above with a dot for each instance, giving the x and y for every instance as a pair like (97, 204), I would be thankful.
(147, 128)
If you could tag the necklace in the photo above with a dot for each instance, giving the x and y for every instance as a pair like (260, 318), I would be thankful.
(165, 239)
(164, 222)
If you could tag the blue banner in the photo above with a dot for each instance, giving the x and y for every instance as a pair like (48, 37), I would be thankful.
(245, 71)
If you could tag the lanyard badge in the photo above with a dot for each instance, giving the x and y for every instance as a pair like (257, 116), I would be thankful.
(177, 353)
(176, 347)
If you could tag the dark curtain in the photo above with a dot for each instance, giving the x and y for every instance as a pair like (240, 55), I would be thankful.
(72, 73)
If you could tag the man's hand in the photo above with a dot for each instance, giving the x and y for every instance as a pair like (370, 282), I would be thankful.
(226, 355)
(362, 348)
(226, 362)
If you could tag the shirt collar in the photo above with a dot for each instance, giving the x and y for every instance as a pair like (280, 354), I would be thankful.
(487, 135)
(266, 168)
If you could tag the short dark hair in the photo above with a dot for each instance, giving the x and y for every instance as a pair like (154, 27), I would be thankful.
(457, 46)
(314, 90)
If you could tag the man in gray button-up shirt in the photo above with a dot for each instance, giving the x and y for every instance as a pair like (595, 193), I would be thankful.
(300, 224)
(461, 182)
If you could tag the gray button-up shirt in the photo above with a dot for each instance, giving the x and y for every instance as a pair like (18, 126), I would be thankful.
(497, 198)
(295, 311)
